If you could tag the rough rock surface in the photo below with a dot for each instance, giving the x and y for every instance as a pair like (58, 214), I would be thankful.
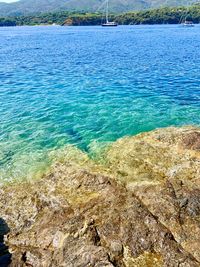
(140, 207)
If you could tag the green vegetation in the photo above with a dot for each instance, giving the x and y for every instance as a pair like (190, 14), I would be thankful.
(60, 18)
(44, 19)
(165, 15)
(7, 22)
(29, 7)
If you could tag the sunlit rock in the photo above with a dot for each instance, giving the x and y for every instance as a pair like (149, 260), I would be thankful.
(138, 206)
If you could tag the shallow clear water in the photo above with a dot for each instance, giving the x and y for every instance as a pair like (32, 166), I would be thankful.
(89, 85)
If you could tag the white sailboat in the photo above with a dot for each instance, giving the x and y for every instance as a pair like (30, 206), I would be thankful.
(108, 23)
(187, 22)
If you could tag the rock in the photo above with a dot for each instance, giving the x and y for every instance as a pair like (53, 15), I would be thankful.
(191, 141)
(5, 257)
(139, 207)
(162, 168)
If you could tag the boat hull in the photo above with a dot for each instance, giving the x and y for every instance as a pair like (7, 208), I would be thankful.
(186, 25)
(109, 25)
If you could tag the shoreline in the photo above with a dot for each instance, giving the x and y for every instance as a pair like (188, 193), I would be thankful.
(97, 25)
(125, 210)
(162, 15)
(68, 152)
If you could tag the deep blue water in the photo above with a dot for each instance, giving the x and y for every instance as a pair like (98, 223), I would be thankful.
(89, 85)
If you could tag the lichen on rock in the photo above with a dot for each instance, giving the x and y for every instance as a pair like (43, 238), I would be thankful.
(139, 207)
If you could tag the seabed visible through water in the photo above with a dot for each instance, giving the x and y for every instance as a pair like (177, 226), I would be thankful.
(89, 86)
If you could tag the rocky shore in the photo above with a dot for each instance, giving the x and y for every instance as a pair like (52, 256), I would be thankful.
(137, 207)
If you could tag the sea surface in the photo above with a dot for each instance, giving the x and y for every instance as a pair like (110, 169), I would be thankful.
(89, 86)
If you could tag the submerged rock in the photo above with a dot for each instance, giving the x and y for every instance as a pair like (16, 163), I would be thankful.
(140, 207)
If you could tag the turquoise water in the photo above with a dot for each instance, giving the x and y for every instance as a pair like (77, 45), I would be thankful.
(90, 85)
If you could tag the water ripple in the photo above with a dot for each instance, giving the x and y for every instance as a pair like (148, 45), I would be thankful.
(88, 86)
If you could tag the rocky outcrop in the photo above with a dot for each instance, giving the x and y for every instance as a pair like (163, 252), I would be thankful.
(139, 207)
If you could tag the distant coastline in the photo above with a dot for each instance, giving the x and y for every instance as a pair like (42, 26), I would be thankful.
(166, 15)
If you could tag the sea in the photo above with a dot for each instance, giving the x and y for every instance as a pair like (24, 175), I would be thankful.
(88, 86)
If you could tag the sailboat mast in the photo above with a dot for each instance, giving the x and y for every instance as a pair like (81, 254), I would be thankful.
(108, 23)
(107, 6)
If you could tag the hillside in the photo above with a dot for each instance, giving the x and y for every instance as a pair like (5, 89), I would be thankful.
(25, 7)
(164, 15)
